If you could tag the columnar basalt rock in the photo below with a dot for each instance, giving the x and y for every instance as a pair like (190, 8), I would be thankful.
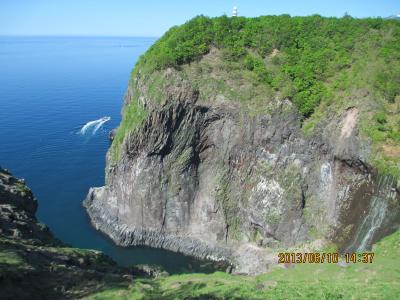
(208, 179)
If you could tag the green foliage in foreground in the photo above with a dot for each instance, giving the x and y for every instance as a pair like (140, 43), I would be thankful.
(312, 50)
(377, 280)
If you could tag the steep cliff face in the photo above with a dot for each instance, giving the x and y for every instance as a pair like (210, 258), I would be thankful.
(207, 179)
(208, 174)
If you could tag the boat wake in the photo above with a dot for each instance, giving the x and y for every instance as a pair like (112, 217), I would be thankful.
(94, 125)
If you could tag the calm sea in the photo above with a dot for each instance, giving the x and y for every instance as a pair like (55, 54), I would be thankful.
(50, 87)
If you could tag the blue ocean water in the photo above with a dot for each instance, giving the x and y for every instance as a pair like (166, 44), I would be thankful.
(49, 88)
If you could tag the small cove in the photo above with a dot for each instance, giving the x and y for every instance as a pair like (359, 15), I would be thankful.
(50, 87)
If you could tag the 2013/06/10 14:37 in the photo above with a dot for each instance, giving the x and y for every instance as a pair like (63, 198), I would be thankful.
(315, 257)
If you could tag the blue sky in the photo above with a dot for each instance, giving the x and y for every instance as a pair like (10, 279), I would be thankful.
(153, 18)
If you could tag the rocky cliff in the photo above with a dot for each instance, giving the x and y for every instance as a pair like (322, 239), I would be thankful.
(34, 264)
(215, 166)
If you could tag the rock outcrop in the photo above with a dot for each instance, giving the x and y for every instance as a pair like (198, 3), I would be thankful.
(209, 178)
(34, 264)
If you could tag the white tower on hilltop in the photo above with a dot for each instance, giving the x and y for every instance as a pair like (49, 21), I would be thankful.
(235, 12)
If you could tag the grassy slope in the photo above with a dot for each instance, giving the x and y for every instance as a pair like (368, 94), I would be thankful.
(377, 280)
(28, 269)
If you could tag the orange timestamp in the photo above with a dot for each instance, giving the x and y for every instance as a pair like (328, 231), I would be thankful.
(320, 258)
(363, 257)
(307, 257)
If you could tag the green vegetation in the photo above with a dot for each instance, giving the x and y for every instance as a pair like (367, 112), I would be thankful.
(9, 258)
(322, 65)
(54, 272)
(309, 51)
(133, 115)
(383, 128)
(377, 280)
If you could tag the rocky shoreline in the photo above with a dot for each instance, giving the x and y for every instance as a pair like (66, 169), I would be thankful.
(124, 236)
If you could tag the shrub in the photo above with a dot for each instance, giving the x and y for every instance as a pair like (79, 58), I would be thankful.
(312, 50)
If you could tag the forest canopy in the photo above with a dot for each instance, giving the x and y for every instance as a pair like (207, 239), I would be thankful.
(312, 50)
